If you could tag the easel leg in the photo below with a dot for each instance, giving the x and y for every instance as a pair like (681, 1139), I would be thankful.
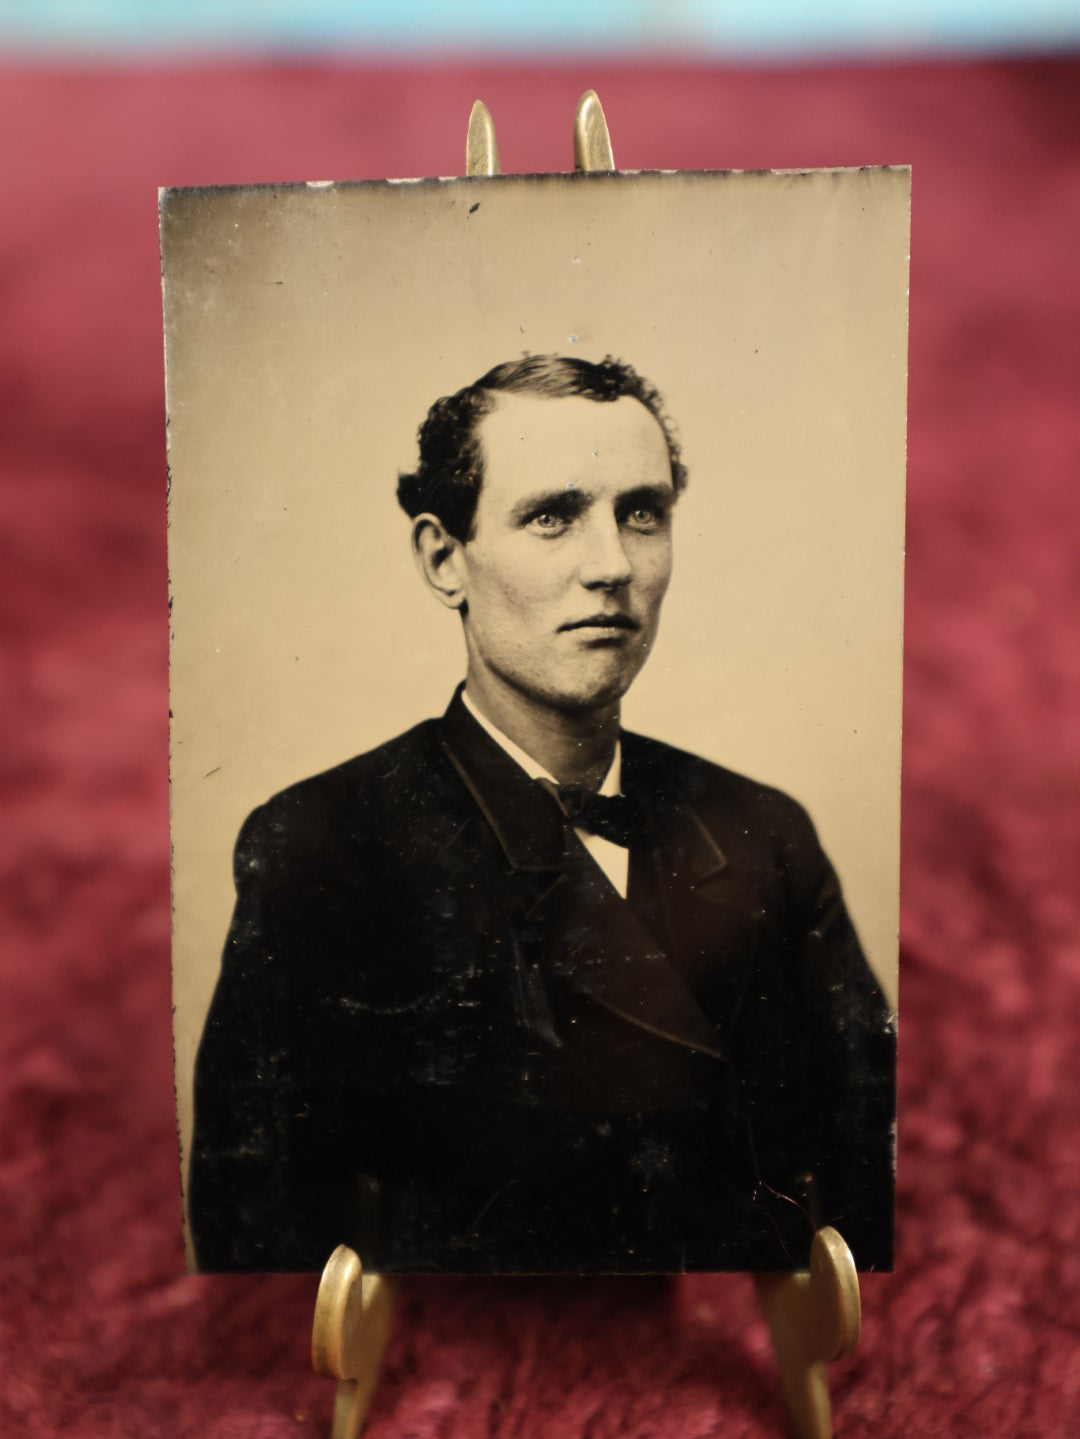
(352, 1323)
(813, 1318)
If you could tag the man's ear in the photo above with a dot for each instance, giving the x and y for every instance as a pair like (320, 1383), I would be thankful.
(438, 558)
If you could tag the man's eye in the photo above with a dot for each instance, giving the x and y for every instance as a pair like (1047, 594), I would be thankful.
(644, 517)
(548, 522)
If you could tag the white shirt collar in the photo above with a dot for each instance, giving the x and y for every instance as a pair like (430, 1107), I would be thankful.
(612, 780)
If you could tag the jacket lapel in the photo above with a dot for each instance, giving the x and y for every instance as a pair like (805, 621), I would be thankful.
(578, 927)
(689, 851)
(594, 937)
(705, 912)
(523, 819)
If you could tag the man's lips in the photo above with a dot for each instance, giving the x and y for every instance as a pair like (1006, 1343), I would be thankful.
(601, 622)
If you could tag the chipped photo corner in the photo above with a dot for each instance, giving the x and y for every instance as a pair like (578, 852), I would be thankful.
(536, 577)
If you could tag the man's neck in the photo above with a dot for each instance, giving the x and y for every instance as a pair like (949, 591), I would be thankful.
(575, 748)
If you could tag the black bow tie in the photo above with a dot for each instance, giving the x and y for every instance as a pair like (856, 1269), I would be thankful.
(613, 817)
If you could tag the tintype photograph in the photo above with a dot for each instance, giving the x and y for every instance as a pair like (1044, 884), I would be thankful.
(536, 575)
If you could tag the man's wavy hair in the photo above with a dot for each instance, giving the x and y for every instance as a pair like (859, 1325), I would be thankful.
(451, 470)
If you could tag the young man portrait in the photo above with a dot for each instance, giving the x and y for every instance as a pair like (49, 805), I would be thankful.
(518, 990)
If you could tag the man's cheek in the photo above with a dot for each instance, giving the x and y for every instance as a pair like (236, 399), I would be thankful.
(519, 598)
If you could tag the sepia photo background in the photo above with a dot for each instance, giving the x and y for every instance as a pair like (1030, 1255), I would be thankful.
(308, 329)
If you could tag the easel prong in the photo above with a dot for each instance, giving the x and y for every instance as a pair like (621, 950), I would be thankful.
(813, 1318)
(481, 148)
(592, 142)
(352, 1324)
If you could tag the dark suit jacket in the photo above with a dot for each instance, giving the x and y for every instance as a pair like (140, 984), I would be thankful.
(441, 1036)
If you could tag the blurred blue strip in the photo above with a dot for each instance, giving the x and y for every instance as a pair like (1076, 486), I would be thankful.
(621, 26)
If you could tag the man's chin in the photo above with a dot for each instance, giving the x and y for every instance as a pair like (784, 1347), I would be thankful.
(596, 696)
(593, 690)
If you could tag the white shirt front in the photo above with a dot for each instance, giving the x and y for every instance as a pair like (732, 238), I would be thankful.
(613, 859)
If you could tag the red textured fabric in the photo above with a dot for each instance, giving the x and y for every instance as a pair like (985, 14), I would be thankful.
(977, 1333)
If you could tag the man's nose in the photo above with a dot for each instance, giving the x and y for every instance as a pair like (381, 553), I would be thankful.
(605, 563)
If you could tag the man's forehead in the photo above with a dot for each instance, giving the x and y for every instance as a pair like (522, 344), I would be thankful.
(524, 435)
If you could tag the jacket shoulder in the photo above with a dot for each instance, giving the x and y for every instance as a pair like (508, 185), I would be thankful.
(758, 828)
(703, 781)
(387, 764)
(346, 803)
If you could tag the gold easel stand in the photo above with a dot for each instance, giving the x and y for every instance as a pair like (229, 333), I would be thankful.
(813, 1317)
(352, 1324)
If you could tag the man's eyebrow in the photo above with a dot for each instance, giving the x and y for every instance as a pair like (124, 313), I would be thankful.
(661, 497)
(562, 499)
